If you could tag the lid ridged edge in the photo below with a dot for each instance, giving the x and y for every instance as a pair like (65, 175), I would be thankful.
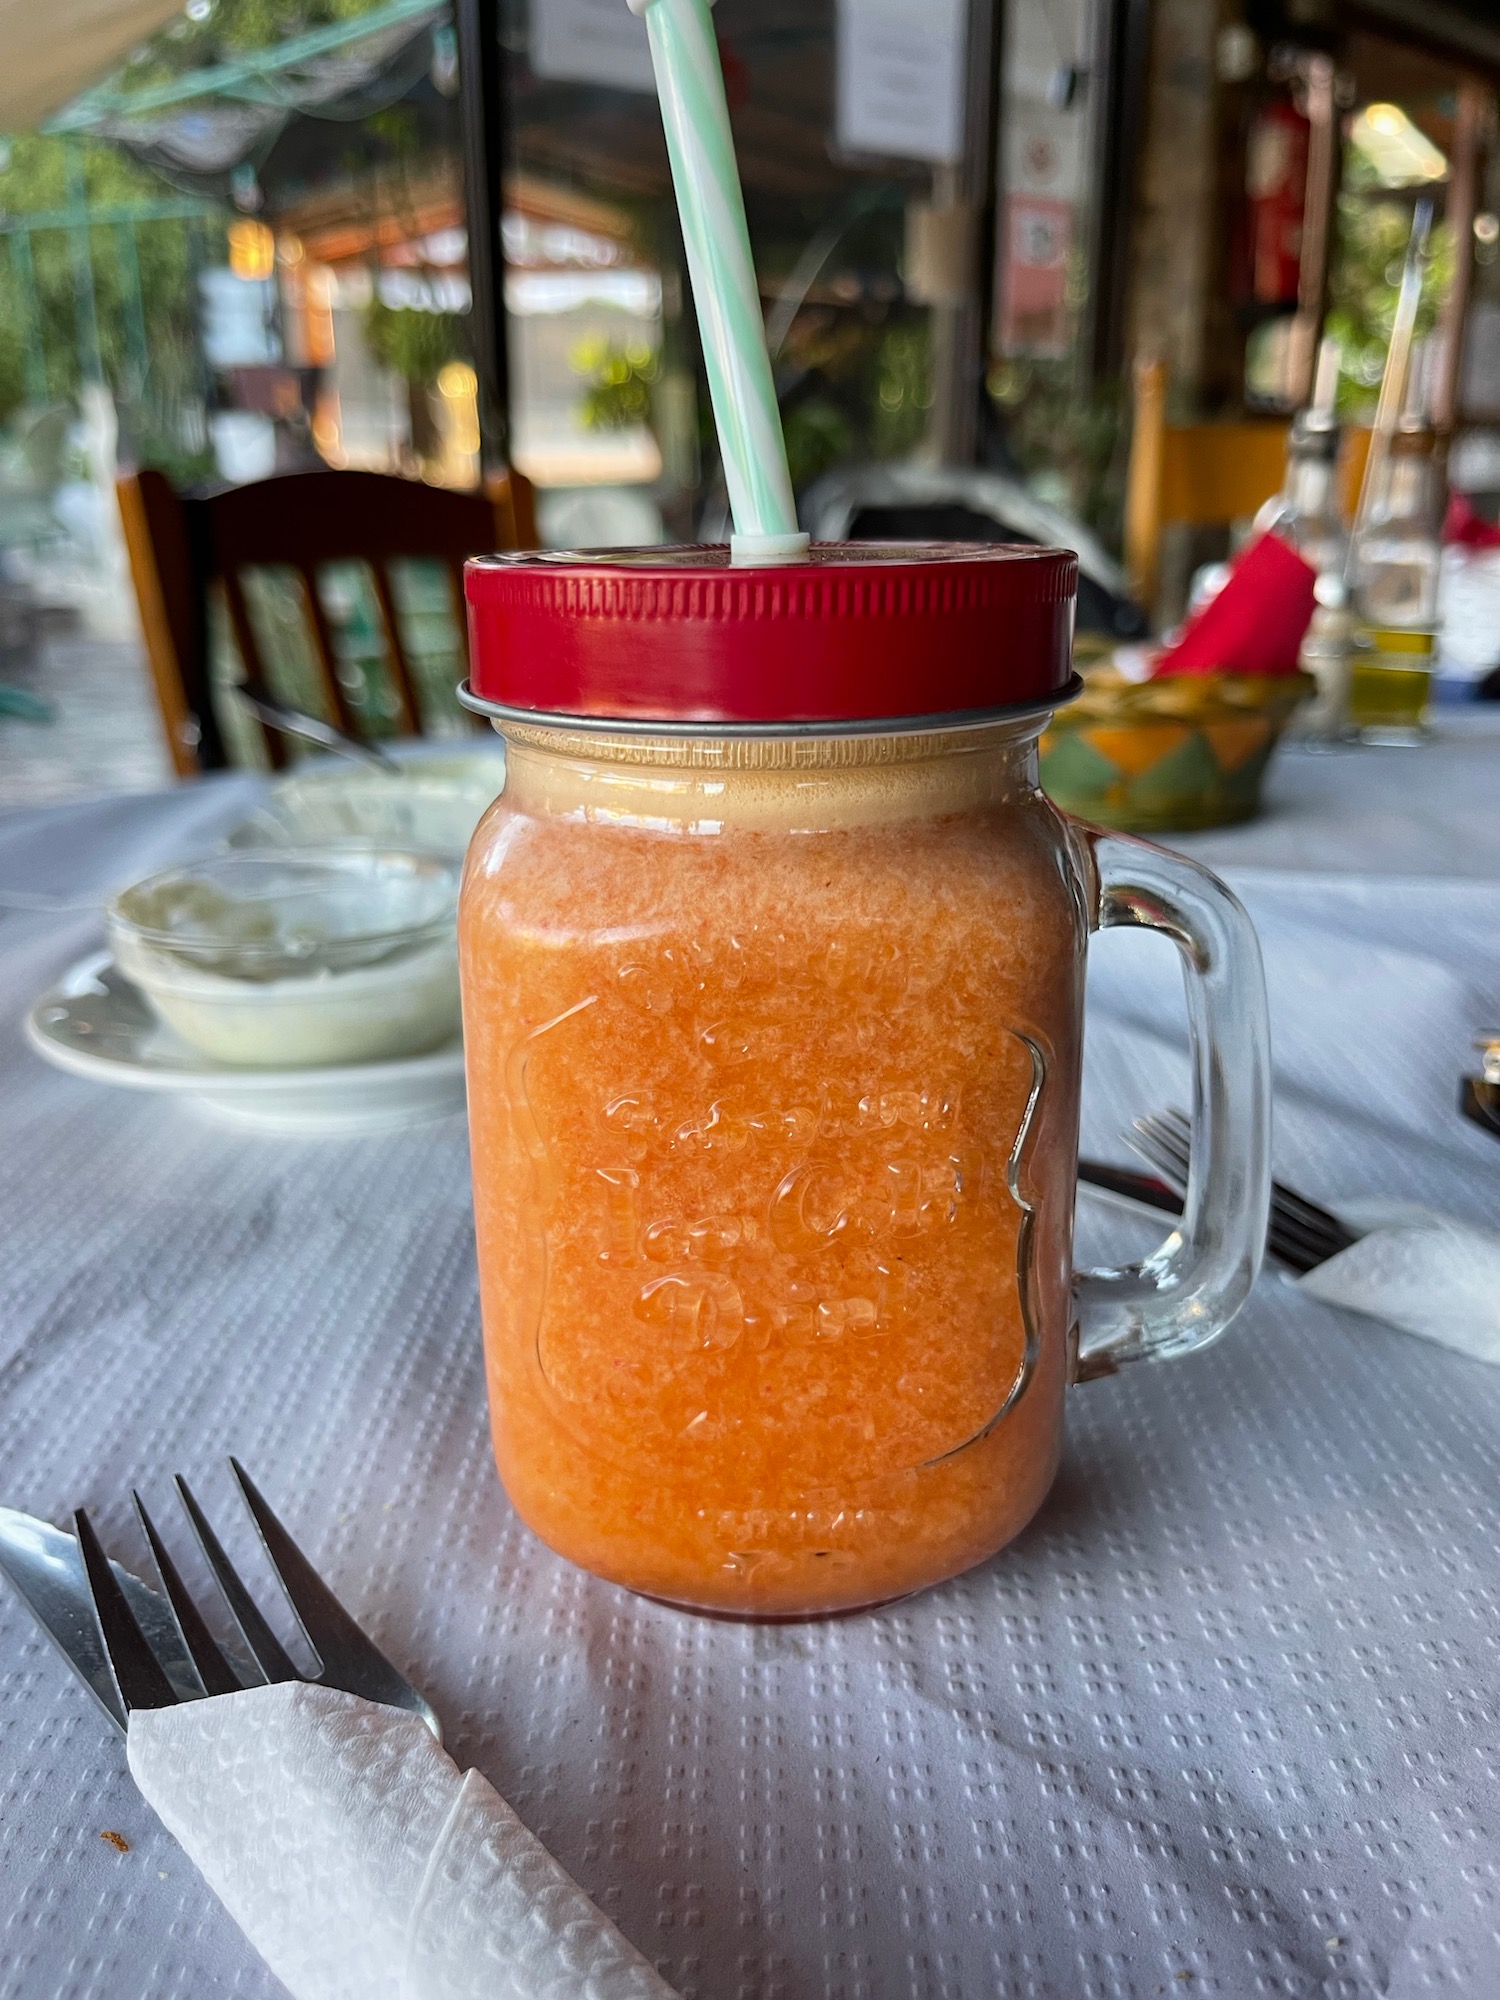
(876, 590)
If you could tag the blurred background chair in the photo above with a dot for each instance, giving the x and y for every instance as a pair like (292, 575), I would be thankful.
(339, 594)
(1203, 476)
(933, 503)
(1190, 475)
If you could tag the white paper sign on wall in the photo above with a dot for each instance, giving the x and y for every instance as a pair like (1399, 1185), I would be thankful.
(590, 41)
(901, 78)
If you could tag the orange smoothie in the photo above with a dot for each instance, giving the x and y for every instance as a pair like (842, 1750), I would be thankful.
(773, 1070)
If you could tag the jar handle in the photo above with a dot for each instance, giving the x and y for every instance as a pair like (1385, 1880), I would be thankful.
(1188, 1291)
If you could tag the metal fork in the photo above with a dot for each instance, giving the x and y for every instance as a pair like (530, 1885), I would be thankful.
(346, 1658)
(1301, 1235)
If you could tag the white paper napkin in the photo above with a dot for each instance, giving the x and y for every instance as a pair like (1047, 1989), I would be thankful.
(361, 1862)
(1424, 1272)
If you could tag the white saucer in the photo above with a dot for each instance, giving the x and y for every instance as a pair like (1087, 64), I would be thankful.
(94, 1023)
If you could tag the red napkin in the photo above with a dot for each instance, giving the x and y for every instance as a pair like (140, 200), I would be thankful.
(1255, 624)
(1463, 523)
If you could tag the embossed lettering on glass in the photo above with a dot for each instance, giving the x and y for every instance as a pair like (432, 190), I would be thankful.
(773, 1033)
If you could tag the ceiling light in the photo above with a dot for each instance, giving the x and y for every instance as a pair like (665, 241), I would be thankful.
(1401, 154)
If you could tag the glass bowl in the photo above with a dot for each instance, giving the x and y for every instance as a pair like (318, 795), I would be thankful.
(430, 802)
(294, 958)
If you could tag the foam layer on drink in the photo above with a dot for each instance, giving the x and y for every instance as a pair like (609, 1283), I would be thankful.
(785, 784)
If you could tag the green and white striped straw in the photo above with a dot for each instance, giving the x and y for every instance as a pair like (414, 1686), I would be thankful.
(711, 205)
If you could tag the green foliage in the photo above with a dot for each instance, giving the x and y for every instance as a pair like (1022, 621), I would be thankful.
(1066, 438)
(45, 349)
(231, 28)
(1365, 282)
(619, 378)
(818, 435)
(12, 356)
(901, 377)
(854, 385)
(157, 435)
(416, 345)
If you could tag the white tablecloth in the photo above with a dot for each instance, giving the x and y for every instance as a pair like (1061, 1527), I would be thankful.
(1223, 1721)
(1434, 810)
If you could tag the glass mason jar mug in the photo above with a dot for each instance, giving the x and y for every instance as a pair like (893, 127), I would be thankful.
(772, 958)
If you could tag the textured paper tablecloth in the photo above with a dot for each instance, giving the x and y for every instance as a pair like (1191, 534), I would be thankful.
(1222, 1722)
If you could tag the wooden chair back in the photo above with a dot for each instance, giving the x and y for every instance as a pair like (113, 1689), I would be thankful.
(1192, 475)
(182, 548)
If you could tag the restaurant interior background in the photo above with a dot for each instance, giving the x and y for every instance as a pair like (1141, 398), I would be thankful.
(254, 235)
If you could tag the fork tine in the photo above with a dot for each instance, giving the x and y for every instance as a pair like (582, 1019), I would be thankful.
(214, 1672)
(266, 1649)
(137, 1671)
(1144, 1138)
(1163, 1137)
(1157, 1143)
(1289, 1239)
(1298, 1259)
(1301, 1234)
(1317, 1243)
(1309, 1213)
(1171, 1137)
(1295, 1206)
(347, 1658)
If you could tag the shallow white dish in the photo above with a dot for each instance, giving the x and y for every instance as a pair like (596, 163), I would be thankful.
(433, 801)
(300, 958)
(95, 1024)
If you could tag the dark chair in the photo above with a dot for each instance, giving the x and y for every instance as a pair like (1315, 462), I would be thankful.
(184, 550)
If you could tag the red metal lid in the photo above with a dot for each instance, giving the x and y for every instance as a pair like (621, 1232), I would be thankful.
(855, 631)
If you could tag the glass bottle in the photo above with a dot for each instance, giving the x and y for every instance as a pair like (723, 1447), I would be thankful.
(1394, 570)
(1306, 514)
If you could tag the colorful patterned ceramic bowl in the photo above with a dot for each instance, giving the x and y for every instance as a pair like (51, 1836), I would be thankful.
(1168, 755)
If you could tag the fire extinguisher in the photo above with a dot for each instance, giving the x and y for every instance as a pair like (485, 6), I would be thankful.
(1276, 199)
